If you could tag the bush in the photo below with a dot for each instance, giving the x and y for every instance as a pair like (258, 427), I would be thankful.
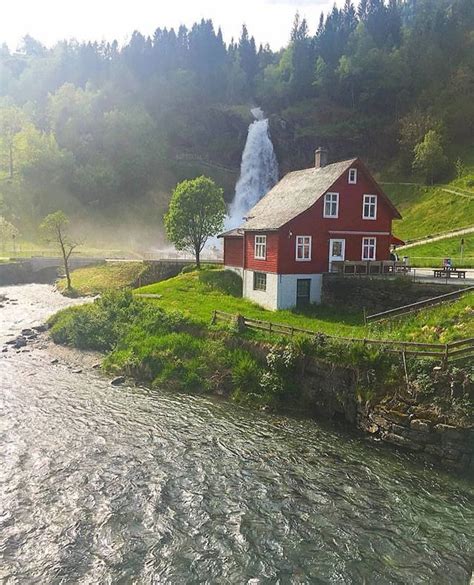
(246, 373)
(224, 281)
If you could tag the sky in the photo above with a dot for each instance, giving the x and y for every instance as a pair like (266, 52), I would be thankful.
(52, 20)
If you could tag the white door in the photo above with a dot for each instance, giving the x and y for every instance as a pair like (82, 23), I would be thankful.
(337, 251)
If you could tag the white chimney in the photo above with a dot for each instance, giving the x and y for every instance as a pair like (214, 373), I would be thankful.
(320, 157)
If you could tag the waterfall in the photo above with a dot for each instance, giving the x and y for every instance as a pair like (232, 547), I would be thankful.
(258, 170)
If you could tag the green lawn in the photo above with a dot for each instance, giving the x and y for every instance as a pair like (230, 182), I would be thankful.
(98, 279)
(428, 210)
(186, 294)
(432, 253)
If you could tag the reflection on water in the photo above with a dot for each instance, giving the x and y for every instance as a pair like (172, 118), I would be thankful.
(122, 485)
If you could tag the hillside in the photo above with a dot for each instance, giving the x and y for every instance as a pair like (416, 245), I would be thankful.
(104, 131)
(428, 211)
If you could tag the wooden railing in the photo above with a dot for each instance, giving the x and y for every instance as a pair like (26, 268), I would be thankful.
(444, 352)
(414, 307)
(368, 267)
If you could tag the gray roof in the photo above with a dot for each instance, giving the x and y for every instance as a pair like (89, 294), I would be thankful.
(294, 194)
(236, 232)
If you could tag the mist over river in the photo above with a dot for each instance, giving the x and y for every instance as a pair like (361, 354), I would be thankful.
(124, 485)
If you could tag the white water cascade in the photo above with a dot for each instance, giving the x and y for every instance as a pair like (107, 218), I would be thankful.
(258, 170)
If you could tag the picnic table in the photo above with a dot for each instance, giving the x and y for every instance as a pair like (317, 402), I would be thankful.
(448, 272)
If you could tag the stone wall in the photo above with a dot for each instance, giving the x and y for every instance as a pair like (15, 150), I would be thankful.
(329, 391)
(444, 444)
(377, 294)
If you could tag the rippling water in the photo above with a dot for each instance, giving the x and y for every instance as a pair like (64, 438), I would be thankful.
(122, 485)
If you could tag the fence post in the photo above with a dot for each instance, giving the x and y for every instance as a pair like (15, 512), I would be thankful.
(446, 355)
(214, 317)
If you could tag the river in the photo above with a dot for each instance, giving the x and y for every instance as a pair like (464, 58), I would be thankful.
(100, 484)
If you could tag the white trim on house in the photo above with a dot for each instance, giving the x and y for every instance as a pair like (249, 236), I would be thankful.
(331, 202)
(369, 246)
(331, 257)
(352, 178)
(260, 247)
(303, 246)
(350, 232)
(369, 201)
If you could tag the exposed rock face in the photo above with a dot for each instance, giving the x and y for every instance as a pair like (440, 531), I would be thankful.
(450, 446)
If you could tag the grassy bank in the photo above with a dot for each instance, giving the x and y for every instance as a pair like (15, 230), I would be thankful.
(432, 253)
(197, 295)
(98, 279)
(168, 349)
(429, 210)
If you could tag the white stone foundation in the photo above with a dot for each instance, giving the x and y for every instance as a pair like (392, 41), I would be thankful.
(281, 289)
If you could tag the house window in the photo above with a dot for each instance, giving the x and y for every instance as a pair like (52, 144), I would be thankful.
(260, 247)
(303, 248)
(368, 248)
(331, 205)
(370, 207)
(259, 281)
(352, 176)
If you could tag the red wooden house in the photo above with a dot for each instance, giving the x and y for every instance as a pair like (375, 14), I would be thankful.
(309, 220)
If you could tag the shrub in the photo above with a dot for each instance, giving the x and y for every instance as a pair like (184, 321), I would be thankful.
(246, 373)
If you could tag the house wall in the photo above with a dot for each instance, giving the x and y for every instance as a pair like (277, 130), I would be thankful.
(312, 223)
(281, 289)
(287, 289)
(267, 298)
(233, 251)
(270, 264)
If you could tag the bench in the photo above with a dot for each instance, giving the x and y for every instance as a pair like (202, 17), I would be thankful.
(443, 273)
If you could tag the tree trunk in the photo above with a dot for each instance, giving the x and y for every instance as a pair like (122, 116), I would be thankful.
(197, 254)
(66, 267)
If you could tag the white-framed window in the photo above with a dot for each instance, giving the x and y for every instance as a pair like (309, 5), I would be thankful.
(369, 208)
(260, 247)
(331, 205)
(369, 248)
(352, 176)
(259, 281)
(303, 248)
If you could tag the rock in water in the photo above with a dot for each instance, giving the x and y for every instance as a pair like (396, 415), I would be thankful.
(118, 380)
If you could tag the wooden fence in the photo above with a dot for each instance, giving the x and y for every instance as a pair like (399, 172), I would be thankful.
(413, 307)
(444, 352)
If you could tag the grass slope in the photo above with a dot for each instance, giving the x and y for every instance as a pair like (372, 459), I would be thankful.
(428, 211)
(432, 253)
(94, 280)
(197, 300)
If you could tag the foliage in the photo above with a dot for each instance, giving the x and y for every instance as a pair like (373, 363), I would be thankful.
(7, 232)
(195, 214)
(96, 127)
(102, 324)
(429, 157)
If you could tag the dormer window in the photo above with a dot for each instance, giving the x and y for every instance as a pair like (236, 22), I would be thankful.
(352, 176)
(331, 205)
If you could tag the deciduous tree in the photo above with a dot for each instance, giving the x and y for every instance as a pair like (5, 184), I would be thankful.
(195, 214)
(55, 228)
